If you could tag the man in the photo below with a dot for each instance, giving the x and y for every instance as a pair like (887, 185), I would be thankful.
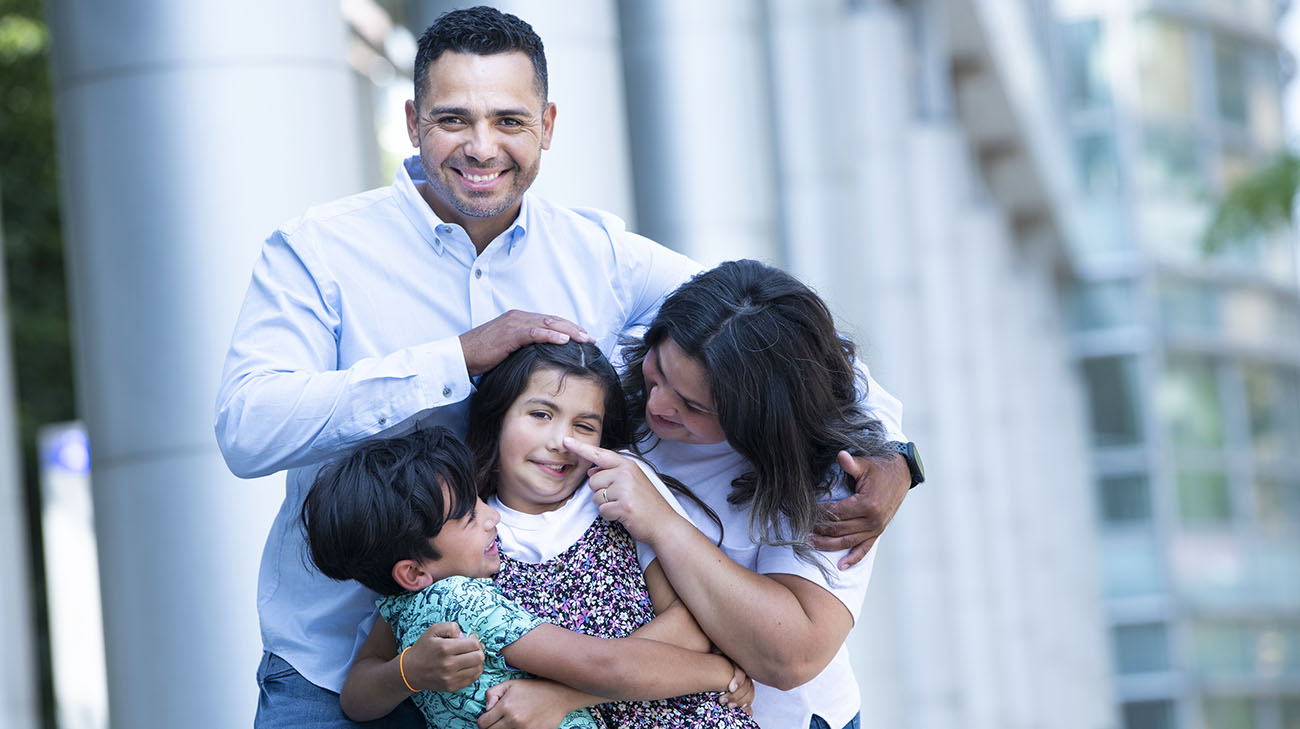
(370, 315)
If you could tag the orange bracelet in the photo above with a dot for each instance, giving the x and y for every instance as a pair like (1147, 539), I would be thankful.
(402, 668)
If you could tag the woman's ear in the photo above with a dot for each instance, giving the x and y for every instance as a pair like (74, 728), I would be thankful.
(412, 575)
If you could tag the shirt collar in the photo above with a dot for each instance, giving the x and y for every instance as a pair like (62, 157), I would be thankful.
(407, 180)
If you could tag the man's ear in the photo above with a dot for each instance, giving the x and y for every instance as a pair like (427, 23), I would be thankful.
(412, 125)
(548, 124)
(412, 575)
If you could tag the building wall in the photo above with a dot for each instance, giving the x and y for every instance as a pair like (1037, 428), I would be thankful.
(1192, 359)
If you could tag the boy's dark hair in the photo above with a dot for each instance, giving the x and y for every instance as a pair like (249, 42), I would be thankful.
(482, 31)
(501, 386)
(383, 502)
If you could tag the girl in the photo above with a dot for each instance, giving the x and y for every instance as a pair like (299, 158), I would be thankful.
(743, 390)
(560, 560)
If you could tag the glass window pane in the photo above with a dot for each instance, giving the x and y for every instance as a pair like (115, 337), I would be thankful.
(1103, 305)
(1203, 498)
(1131, 565)
(1085, 69)
(1250, 316)
(1112, 386)
(1149, 715)
(1188, 402)
(1124, 499)
(1229, 713)
(1278, 499)
(1141, 648)
(1263, 76)
(1100, 229)
(1164, 67)
(1189, 307)
(1273, 404)
(1291, 713)
(1170, 162)
(1223, 648)
(1230, 80)
(1098, 166)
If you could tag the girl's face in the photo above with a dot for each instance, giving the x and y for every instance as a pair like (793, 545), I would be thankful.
(536, 473)
(678, 404)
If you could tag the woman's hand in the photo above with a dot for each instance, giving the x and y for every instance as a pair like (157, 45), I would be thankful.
(525, 703)
(623, 493)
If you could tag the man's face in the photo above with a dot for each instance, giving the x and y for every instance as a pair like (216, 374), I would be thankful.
(481, 128)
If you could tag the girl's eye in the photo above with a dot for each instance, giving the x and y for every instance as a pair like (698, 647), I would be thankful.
(585, 427)
(541, 414)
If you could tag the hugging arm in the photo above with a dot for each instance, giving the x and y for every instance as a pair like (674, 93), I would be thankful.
(781, 629)
(440, 660)
(879, 486)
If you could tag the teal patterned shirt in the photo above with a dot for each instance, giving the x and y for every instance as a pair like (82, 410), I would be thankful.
(479, 607)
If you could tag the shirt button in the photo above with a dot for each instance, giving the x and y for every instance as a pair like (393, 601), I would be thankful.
(383, 421)
(478, 273)
(446, 391)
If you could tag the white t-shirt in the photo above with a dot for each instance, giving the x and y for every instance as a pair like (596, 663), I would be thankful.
(708, 471)
(536, 538)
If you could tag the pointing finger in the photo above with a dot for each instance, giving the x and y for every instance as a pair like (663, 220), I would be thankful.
(599, 456)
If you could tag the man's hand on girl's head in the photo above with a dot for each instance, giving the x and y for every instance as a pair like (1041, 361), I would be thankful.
(855, 522)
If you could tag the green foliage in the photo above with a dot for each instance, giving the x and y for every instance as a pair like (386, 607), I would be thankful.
(33, 265)
(29, 195)
(1256, 205)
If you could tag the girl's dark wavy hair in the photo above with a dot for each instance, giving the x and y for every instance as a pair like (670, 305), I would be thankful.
(501, 386)
(783, 385)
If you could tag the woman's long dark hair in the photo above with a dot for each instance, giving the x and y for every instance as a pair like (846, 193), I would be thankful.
(783, 385)
(501, 386)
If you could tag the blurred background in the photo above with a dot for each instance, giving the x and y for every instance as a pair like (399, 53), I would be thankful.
(1060, 230)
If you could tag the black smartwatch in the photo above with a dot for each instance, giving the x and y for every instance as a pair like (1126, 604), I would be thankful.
(913, 458)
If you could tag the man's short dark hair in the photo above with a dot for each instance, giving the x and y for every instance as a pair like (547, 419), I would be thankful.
(382, 503)
(482, 31)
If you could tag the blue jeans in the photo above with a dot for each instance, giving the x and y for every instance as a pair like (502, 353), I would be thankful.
(286, 699)
(820, 723)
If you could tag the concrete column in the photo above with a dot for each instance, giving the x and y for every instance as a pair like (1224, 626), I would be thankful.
(699, 110)
(18, 670)
(187, 132)
(589, 163)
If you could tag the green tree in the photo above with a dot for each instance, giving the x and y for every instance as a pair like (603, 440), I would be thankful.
(33, 251)
(1257, 204)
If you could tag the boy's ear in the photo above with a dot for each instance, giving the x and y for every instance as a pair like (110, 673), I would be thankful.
(412, 575)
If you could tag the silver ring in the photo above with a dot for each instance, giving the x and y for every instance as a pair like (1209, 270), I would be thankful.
(604, 496)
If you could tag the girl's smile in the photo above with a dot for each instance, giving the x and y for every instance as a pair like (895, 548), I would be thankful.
(536, 472)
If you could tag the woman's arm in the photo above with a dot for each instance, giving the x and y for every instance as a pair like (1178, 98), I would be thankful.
(621, 669)
(672, 623)
(782, 629)
(440, 660)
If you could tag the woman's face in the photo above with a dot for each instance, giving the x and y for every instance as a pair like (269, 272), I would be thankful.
(678, 404)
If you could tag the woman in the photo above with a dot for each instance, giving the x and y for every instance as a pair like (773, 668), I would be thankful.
(744, 392)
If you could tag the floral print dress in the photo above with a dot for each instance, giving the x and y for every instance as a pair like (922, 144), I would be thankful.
(596, 587)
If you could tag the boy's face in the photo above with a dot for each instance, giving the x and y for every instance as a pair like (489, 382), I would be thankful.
(467, 545)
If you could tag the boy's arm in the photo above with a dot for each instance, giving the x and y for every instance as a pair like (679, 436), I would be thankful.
(441, 660)
(625, 669)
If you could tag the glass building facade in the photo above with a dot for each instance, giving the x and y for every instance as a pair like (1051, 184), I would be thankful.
(1191, 358)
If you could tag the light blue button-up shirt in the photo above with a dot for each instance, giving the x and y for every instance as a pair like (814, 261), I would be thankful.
(350, 328)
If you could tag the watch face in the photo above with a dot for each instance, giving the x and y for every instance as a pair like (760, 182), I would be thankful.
(914, 456)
